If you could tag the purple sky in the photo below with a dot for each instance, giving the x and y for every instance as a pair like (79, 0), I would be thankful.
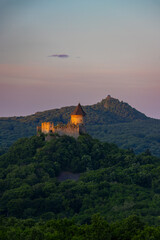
(59, 53)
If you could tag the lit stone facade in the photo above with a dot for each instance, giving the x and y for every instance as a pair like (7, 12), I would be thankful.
(74, 128)
(77, 119)
(47, 127)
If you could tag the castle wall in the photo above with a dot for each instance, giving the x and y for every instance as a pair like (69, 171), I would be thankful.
(47, 127)
(74, 128)
(69, 130)
(77, 119)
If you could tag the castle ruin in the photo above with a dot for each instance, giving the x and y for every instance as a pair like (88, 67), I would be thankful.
(74, 128)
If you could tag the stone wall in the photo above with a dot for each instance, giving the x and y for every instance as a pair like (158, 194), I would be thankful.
(47, 127)
(69, 129)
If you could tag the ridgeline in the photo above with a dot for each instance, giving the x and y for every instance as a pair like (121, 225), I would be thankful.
(109, 120)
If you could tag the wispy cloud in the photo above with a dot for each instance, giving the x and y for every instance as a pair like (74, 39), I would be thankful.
(59, 55)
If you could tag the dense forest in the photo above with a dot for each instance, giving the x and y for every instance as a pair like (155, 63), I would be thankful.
(131, 228)
(109, 120)
(116, 195)
(113, 182)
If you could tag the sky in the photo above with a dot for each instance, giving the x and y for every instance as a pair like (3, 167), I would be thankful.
(56, 53)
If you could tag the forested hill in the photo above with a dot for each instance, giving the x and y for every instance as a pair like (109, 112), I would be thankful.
(119, 111)
(133, 128)
(109, 110)
(113, 182)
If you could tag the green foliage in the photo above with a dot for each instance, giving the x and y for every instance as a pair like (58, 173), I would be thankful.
(114, 182)
(132, 228)
(138, 135)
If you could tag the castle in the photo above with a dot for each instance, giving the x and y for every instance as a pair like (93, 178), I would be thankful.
(74, 128)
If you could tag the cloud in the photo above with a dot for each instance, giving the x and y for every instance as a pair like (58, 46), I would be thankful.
(59, 55)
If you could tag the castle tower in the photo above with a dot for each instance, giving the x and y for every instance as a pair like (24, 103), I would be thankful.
(77, 116)
(47, 127)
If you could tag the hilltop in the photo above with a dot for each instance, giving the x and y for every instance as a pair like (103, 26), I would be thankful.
(109, 120)
(114, 182)
(116, 191)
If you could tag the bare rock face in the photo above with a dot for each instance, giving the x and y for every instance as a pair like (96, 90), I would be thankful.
(107, 101)
(110, 102)
(68, 176)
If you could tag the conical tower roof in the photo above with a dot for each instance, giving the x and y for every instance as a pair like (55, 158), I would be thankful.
(78, 111)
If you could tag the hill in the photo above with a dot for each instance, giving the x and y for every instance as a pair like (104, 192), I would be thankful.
(113, 182)
(109, 120)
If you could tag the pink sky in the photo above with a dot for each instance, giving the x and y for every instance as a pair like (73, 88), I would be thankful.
(111, 48)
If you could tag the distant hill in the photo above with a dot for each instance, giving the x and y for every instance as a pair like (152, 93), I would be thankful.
(109, 120)
(116, 111)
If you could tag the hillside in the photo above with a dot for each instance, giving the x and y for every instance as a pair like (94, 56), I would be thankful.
(113, 182)
(109, 120)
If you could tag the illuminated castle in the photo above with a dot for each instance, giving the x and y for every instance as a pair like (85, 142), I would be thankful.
(74, 128)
